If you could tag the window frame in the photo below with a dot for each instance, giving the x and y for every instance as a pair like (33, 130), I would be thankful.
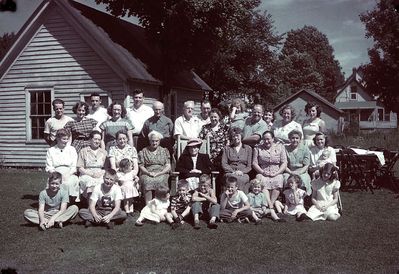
(28, 120)
(353, 91)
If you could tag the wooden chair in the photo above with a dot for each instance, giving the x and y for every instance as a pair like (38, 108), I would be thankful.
(205, 148)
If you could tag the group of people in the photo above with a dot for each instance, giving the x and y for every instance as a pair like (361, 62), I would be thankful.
(109, 157)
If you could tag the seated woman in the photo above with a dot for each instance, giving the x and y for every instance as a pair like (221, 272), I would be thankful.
(121, 151)
(81, 127)
(90, 164)
(298, 155)
(270, 161)
(154, 163)
(62, 158)
(237, 159)
(320, 154)
(312, 125)
(118, 122)
(286, 125)
(217, 133)
(192, 164)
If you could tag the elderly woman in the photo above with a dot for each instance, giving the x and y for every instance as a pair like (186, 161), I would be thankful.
(62, 158)
(313, 124)
(270, 161)
(192, 164)
(298, 155)
(237, 159)
(286, 125)
(217, 133)
(121, 151)
(154, 163)
(118, 122)
(81, 127)
(90, 164)
(320, 154)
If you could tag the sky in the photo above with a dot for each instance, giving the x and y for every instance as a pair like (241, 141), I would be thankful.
(338, 19)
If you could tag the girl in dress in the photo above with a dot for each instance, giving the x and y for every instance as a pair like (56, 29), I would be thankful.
(128, 181)
(157, 209)
(294, 198)
(325, 195)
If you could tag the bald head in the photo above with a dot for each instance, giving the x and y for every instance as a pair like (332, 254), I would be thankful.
(158, 108)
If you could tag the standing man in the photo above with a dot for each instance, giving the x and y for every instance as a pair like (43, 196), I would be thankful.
(254, 127)
(205, 110)
(97, 112)
(139, 113)
(188, 125)
(160, 123)
(55, 123)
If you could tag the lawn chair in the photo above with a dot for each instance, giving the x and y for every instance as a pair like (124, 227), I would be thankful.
(205, 148)
(386, 173)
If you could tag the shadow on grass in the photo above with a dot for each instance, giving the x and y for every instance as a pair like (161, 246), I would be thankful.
(30, 197)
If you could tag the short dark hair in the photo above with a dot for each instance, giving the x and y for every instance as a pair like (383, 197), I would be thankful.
(124, 163)
(293, 132)
(79, 105)
(57, 101)
(310, 105)
(138, 91)
(54, 176)
(62, 132)
(295, 178)
(95, 94)
(231, 180)
(94, 132)
(235, 131)
(325, 138)
(111, 106)
(122, 131)
(217, 111)
(268, 131)
(111, 172)
(330, 168)
(161, 192)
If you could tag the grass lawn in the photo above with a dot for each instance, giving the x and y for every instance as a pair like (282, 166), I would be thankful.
(365, 239)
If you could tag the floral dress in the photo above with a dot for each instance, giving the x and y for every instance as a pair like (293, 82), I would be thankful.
(218, 140)
(127, 152)
(154, 161)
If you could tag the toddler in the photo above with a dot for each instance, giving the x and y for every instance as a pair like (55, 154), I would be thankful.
(234, 204)
(180, 204)
(128, 181)
(205, 203)
(157, 209)
(53, 201)
(294, 198)
(325, 195)
(324, 158)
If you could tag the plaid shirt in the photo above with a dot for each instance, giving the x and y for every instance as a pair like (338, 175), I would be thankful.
(179, 203)
(80, 132)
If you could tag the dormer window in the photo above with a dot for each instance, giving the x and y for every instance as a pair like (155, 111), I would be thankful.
(353, 93)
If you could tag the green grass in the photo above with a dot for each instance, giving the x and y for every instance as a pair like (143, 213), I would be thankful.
(365, 239)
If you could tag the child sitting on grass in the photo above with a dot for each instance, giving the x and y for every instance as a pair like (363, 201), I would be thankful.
(325, 195)
(128, 181)
(294, 198)
(205, 203)
(257, 202)
(157, 209)
(53, 201)
(180, 205)
(105, 203)
(234, 204)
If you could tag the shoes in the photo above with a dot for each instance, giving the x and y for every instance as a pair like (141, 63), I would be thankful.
(243, 220)
(175, 225)
(42, 228)
(258, 222)
(138, 223)
(197, 225)
(281, 220)
(111, 225)
(212, 225)
(59, 225)
(88, 224)
(303, 217)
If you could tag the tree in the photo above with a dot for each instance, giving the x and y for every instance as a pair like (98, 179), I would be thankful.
(308, 62)
(228, 42)
(381, 75)
(5, 43)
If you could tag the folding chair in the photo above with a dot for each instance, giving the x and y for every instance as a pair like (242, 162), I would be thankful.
(386, 174)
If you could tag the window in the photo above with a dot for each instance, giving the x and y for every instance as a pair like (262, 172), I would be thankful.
(39, 112)
(353, 93)
(384, 115)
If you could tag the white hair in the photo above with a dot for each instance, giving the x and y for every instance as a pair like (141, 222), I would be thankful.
(154, 133)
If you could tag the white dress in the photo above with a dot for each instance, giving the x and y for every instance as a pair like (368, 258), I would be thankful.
(126, 181)
(324, 194)
(281, 132)
(293, 208)
(159, 209)
(309, 131)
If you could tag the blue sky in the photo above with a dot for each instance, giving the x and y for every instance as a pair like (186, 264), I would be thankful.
(338, 19)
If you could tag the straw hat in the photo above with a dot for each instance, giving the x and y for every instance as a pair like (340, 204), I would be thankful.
(194, 142)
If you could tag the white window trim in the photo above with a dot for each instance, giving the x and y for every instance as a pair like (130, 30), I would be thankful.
(28, 123)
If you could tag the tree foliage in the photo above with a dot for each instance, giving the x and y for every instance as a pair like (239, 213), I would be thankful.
(308, 62)
(382, 73)
(228, 42)
(5, 43)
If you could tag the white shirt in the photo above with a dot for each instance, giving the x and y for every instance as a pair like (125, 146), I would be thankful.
(53, 124)
(100, 115)
(61, 160)
(106, 200)
(138, 116)
(190, 128)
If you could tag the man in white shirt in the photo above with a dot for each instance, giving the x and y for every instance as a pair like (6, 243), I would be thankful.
(188, 125)
(205, 110)
(140, 112)
(55, 123)
(97, 112)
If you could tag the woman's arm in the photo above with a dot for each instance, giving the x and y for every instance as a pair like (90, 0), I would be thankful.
(135, 167)
(255, 164)
(102, 139)
(248, 152)
(130, 138)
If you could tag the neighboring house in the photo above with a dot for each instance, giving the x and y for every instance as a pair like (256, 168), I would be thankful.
(332, 116)
(67, 50)
(362, 108)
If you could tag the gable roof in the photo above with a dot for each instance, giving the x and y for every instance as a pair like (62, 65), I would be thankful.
(316, 96)
(352, 79)
(121, 44)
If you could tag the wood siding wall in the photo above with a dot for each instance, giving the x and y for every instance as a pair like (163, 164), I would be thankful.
(56, 58)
